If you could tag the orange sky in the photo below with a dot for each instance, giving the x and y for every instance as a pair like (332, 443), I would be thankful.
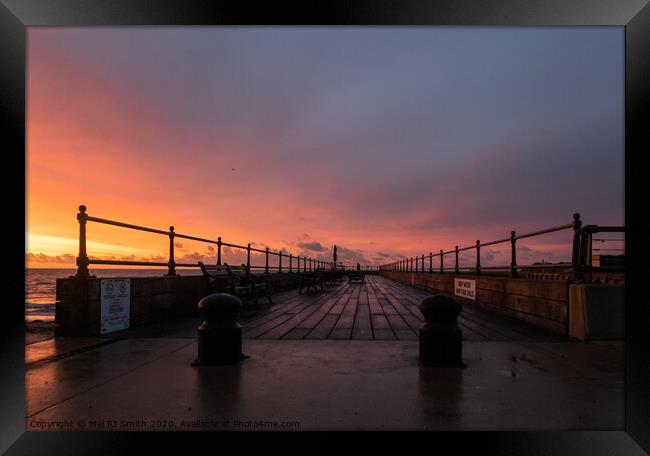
(127, 127)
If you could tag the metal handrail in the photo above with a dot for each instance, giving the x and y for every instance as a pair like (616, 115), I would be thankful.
(417, 263)
(83, 261)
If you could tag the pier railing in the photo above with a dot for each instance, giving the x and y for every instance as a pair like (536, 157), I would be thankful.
(303, 263)
(581, 263)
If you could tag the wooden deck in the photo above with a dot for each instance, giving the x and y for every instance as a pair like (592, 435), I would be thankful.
(379, 309)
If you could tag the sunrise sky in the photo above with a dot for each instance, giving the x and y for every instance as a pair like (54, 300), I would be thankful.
(384, 141)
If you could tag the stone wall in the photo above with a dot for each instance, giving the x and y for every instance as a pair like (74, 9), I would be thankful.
(78, 304)
(543, 303)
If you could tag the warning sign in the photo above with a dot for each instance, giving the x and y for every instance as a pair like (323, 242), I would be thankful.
(116, 304)
(465, 288)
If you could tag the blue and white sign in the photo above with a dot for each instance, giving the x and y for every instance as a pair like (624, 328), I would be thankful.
(116, 304)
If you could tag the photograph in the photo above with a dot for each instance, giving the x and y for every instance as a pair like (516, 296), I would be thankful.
(361, 220)
(325, 228)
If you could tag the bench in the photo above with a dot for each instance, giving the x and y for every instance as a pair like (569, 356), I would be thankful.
(311, 280)
(235, 280)
(356, 277)
(262, 282)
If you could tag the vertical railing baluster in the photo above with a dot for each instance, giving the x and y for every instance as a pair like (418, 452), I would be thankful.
(171, 264)
(248, 256)
(423, 262)
(577, 224)
(442, 262)
(478, 257)
(456, 269)
(513, 262)
(290, 261)
(416, 263)
(82, 259)
(219, 250)
(266, 266)
(430, 262)
(280, 261)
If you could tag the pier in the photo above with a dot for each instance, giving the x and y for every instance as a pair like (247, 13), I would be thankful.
(543, 348)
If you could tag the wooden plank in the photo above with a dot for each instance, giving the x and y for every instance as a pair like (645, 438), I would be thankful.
(470, 334)
(338, 307)
(323, 310)
(251, 333)
(373, 302)
(488, 332)
(297, 333)
(397, 322)
(340, 333)
(362, 329)
(381, 328)
(346, 319)
(323, 328)
(405, 334)
(307, 311)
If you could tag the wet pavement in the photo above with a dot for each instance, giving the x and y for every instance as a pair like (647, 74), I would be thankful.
(147, 383)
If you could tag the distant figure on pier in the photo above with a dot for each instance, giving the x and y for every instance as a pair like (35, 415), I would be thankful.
(358, 267)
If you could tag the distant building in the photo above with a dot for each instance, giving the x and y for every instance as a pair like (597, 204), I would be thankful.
(608, 260)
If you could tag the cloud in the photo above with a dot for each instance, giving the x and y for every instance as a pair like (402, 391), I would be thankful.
(312, 246)
(66, 258)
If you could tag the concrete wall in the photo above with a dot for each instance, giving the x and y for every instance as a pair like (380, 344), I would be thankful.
(543, 303)
(596, 312)
(78, 305)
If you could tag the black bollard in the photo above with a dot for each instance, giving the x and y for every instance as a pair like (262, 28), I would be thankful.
(219, 336)
(440, 337)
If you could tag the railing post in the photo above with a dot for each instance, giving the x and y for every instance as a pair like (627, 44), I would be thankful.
(456, 269)
(280, 261)
(266, 265)
(423, 262)
(577, 223)
(442, 262)
(513, 262)
(290, 261)
(587, 256)
(478, 257)
(82, 258)
(417, 259)
(411, 265)
(171, 263)
(248, 256)
(575, 257)
(430, 262)
(219, 250)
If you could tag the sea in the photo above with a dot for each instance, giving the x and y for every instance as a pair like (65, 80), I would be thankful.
(40, 286)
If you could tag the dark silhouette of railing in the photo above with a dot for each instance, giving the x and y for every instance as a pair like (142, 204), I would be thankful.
(583, 248)
(581, 256)
(83, 261)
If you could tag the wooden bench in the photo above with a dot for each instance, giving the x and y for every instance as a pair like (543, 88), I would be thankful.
(262, 282)
(312, 280)
(356, 277)
(235, 280)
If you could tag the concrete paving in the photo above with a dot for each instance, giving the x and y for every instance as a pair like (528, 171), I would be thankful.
(149, 384)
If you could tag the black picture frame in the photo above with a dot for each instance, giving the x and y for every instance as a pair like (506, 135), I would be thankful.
(634, 15)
